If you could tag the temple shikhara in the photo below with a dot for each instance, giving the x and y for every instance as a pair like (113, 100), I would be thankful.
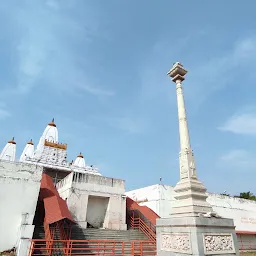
(48, 153)
(52, 206)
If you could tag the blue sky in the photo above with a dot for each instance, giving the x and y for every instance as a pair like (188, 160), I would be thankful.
(99, 68)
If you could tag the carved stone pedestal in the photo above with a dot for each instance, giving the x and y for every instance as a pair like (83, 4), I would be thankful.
(196, 236)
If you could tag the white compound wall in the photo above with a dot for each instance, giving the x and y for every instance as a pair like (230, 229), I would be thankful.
(160, 199)
(19, 189)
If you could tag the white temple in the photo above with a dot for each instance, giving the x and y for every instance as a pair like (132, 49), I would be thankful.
(48, 153)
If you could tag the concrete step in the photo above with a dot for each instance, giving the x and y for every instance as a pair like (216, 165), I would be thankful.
(39, 233)
(106, 234)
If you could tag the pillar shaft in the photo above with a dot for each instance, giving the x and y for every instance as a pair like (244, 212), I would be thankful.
(183, 125)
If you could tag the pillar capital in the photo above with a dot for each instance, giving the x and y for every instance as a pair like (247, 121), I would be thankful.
(177, 72)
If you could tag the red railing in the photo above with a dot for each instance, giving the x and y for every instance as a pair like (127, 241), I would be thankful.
(246, 242)
(138, 221)
(92, 247)
(48, 236)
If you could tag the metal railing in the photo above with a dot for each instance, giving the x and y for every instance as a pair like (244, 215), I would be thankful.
(246, 242)
(136, 220)
(92, 247)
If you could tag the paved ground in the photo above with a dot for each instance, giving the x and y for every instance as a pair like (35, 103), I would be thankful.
(248, 254)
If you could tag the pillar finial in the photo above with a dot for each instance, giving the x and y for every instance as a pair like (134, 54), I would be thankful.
(177, 72)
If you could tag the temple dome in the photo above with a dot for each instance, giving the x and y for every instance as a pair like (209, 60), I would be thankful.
(9, 151)
(79, 162)
(28, 151)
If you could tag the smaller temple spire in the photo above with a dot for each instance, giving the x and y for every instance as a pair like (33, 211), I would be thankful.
(79, 162)
(9, 151)
(28, 151)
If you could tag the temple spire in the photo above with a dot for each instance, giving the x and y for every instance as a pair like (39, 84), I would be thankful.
(191, 193)
(9, 151)
(79, 162)
(50, 134)
(28, 151)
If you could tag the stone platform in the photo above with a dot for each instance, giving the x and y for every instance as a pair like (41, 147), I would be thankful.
(196, 236)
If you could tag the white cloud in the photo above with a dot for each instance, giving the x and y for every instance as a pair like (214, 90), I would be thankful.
(52, 47)
(239, 159)
(131, 125)
(52, 4)
(219, 71)
(240, 124)
(206, 75)
(96, 90)
(4, 113)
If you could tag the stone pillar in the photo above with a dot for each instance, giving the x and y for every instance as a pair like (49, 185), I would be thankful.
(191, 193)
(193, 227)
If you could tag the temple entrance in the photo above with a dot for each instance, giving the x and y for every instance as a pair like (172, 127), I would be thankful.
(96, 211)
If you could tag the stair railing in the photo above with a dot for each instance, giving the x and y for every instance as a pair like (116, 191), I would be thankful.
(49, 235)
(136, 220)
(94, 247)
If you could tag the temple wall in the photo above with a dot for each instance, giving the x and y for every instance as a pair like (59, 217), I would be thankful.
(19, 189)
(104, 196)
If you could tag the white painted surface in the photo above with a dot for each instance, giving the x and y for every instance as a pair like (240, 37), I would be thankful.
(27, 152)
(160, 198)
(9, 151)
(19, 189)
(96, 211)
(82, 186)
(79, 162)
(50, 134)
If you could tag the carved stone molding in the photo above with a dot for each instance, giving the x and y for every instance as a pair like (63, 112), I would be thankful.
(176, 242)
(220, 243)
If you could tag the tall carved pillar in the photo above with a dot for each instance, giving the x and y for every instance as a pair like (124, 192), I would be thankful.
(191, 193)
(193, 228)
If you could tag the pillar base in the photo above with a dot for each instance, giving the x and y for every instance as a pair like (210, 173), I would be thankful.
(196, 236)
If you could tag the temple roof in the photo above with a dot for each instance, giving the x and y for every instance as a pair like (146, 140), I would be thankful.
(48, 153)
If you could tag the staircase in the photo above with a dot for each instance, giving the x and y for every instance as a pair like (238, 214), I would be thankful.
(78, 233)
(39, 232)
(118, 242)
(92, 241)
(138, 240)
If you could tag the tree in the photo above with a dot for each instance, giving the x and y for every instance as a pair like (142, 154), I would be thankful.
(225, 194)
(247, 195)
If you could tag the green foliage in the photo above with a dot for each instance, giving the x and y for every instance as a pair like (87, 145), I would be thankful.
(225, 194)
(247, 195)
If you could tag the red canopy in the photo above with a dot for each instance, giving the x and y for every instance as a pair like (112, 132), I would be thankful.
(55, 207)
